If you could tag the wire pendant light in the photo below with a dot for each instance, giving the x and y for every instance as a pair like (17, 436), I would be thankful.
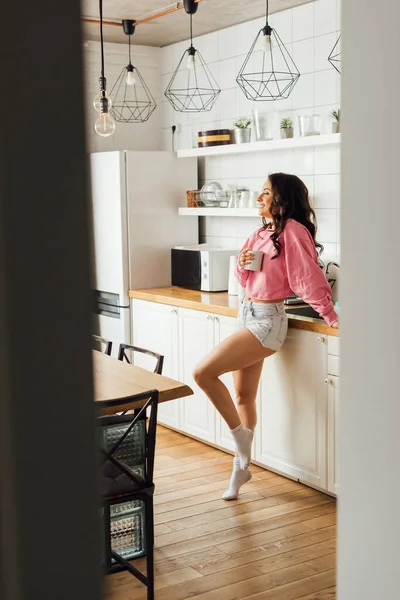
(132, 99)
(192, 87)
(335, 57)
(268, 72)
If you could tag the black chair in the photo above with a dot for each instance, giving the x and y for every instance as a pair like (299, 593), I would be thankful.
(159, 358)
(120, 484)
(99, 341)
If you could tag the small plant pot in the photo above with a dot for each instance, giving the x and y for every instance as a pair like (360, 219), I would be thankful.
(335, 127)
(242, 136)
(286, 132)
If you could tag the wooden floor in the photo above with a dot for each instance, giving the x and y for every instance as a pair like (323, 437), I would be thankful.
(276, 543)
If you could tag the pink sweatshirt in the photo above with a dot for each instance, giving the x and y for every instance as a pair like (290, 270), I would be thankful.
(296, 270)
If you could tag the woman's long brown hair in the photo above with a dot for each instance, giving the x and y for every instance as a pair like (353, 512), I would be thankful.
(290, 201)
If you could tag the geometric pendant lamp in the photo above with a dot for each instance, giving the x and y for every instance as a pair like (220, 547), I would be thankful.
(192, 87)
(335, 57)
(268, 72)
(132, 101)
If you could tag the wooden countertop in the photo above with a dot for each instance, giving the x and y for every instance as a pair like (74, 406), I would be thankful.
(219, 303)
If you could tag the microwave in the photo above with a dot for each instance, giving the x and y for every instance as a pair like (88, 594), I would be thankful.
(201, 267)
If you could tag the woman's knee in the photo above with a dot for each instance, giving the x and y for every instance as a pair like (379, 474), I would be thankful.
(202, 374)
(243, 399)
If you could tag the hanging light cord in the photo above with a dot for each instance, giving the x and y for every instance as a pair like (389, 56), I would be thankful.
(191, 30)
(101, 43)
(130, 49)
(266, 12)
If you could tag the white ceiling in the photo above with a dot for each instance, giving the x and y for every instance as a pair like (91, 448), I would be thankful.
(211, 15)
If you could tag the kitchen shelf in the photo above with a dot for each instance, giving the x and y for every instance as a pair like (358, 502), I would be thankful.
(313, 141)
(219, 212)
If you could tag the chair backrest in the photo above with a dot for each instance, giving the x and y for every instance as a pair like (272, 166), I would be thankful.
(150, 401)
(101, 341)
(159, 357)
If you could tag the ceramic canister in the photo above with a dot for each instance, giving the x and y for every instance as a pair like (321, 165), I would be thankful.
(214, 137)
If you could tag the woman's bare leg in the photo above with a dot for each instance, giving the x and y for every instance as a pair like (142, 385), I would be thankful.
(236, 353)
(246, 385)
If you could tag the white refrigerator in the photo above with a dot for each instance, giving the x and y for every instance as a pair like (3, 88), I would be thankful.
(135, 200)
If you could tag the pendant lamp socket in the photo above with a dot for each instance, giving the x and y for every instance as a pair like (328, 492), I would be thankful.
(128, 26)
(190, 6)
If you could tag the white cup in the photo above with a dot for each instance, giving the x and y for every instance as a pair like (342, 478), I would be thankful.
(253, 199)
(244, 199)
(256, 263)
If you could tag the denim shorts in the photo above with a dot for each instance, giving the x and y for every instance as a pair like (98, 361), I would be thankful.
(267, 322)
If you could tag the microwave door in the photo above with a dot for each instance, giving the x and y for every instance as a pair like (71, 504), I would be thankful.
(186, 268)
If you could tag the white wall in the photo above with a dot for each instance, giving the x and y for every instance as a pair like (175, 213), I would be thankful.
(309, 32)
(133, 136)
(369, 516)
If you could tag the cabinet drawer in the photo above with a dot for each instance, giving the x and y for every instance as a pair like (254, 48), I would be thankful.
(333, 345)
(333, 365)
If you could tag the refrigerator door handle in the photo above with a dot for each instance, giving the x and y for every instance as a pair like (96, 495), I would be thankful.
(107, 304)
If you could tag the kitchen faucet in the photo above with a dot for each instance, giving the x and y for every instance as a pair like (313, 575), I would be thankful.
(329, 265)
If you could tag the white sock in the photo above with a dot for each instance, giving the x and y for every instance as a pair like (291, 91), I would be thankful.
(243, 439)
(238, 478)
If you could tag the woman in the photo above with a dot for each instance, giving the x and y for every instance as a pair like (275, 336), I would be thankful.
(290, 265)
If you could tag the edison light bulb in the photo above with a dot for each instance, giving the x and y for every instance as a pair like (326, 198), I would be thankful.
(191, 62)
(130, 78)
(104, 125)
(267, 44)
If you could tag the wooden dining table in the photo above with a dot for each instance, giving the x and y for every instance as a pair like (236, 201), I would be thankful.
(117, 380)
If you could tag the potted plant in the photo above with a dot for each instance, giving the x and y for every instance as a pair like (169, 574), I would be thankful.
(286, 128)
(336, 123)
(242, 131)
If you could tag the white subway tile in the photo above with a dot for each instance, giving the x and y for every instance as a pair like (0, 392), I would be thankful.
(212, 226)
(167, 60)
(244, 106)
(309, 182)
(327, 191)
(303, 55)
(282, 22)
(244, 35)
(226, 43)
(327, 225)
(330, 251)
(326, 16)
(303, 93)
(227, 105)
(326, 87)
(303, 161)
(208, 46)
(227, 74)
(327, 161)
(230, 243)
(303, 22)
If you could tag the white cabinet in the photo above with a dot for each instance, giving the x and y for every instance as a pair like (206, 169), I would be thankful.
(297, 401)
(293, 409)
(333, 437)
(155, 327)
(196, 339)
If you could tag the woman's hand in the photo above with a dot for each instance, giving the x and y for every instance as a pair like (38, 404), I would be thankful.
(335, 325)
(245, 257)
